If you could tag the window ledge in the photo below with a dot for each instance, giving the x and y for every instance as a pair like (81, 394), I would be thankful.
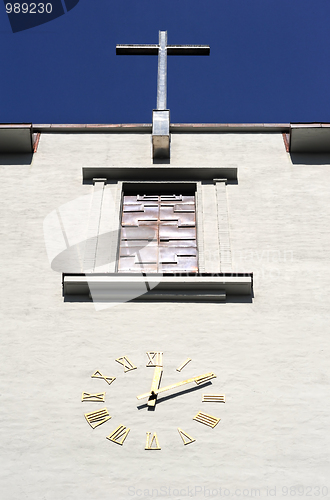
(118, 287)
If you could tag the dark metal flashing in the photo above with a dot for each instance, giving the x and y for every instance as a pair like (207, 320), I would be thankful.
(160, 173)
(174, 128)
(93, 128)
(229, 127)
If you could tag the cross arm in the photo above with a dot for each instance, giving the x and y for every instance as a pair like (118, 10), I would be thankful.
(172, 50)
(137, 50)
(188, 50)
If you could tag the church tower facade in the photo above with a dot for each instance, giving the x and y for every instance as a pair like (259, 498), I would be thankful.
(165, 288)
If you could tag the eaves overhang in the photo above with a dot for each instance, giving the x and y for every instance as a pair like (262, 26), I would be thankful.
(16, 138)
(301, 137)
(310, 138)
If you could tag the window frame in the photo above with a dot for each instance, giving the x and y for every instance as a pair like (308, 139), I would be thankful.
(215, 278)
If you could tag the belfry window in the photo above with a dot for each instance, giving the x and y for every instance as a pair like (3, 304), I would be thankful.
(158, 234)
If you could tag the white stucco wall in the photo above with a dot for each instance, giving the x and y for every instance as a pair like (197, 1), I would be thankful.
(270, 355)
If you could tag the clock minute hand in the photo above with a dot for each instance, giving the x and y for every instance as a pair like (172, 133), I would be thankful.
(200, 379)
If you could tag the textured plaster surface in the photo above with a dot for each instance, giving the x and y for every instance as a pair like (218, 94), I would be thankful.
(271, 355)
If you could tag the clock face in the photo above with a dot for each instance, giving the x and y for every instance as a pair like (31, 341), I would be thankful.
(150, 396)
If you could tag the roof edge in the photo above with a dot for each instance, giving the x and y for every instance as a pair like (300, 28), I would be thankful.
(174, 127)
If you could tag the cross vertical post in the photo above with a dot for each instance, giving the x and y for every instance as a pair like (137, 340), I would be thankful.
(161, 115)
(162, 71)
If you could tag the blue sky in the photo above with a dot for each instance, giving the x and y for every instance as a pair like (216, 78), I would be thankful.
(269, 62)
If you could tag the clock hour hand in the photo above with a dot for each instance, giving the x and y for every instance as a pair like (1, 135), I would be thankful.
(155, 385)
(200, 379)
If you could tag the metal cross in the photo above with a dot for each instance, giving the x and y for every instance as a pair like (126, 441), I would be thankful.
(163, 50)
(161, 116)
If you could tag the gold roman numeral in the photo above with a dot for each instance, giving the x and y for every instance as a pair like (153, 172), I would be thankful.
(96, 418)
(98, 374)
(206, 419)
(127, 364)
(214, 398)
(155, 358)
(119, 435)
(152, 444)
(185, 437)
(99, 397)
(183, 364)
(205, 378)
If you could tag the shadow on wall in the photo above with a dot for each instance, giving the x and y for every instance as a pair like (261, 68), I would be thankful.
(25, 15)
(16, 159)
(310, 158)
